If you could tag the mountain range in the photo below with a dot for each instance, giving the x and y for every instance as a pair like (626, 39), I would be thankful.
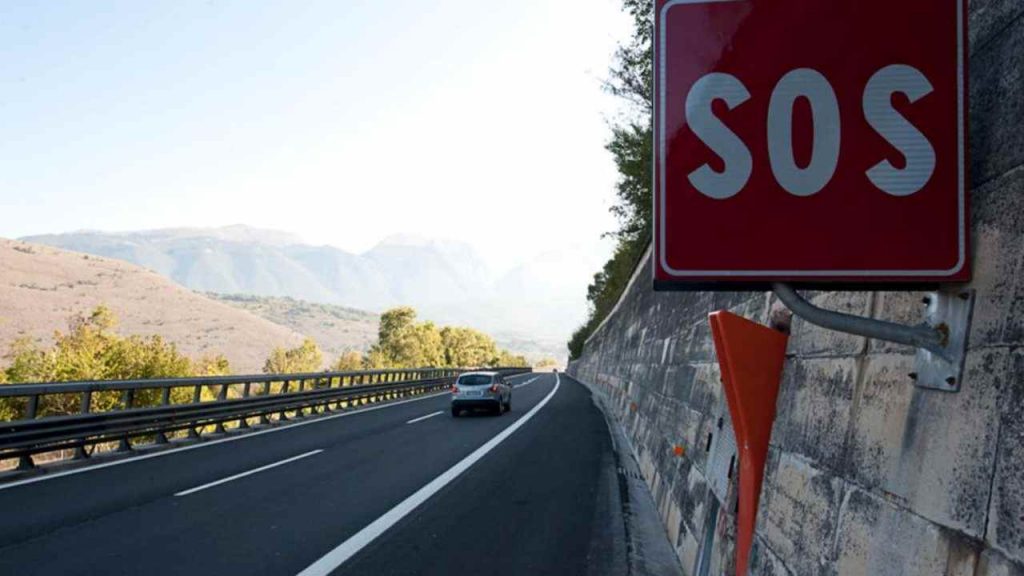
(540, 299)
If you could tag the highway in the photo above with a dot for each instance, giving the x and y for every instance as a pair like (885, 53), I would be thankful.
(402, 488)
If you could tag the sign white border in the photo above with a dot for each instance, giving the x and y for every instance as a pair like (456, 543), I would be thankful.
(712, 275)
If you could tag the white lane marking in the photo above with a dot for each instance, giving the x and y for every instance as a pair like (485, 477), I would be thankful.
(431, 415)
(527, 382)
(244, 474)
(357, 542)
(204, 444)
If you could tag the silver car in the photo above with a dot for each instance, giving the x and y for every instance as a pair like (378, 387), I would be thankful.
(481, 390)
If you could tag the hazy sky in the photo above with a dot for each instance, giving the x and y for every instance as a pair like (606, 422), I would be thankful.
(343, 121)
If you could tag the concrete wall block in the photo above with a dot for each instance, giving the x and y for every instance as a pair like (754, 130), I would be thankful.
(1006, 514)
(998, 243)
(698, 494)
(806, 339)
(687, 549)
(988, 18)
(706, 394)
(813, 408)
(764, 563)
(681, 384)
(734, 302)
(875, 538)
(879, 420)
(948, 448)
(997, 104)
(692, 436)
(699, 345)
(798, 513)
(931, 450)
(993, 563)
(755, 308)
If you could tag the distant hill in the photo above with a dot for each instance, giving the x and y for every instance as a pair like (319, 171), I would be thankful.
(335, 328)
(446, 281)
(338, 329)
(41, 287)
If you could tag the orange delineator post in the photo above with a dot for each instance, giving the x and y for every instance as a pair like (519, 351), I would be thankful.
(751, 357)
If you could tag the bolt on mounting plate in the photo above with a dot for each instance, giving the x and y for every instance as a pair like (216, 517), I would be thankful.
(948, 311)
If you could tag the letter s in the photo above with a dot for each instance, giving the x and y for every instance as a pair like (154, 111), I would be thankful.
(898, 131)
(717, 136)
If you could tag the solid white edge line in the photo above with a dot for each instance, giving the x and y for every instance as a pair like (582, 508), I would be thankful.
(421, 418)
(290, 426)
(244, 474)
(338, 556)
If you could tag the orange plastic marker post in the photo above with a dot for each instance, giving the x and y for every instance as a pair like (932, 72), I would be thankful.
(751, 357)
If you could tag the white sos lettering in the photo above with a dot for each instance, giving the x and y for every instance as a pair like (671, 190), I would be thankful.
(812, 85)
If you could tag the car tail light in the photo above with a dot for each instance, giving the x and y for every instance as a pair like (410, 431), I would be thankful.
(455, 389)
(494, 387)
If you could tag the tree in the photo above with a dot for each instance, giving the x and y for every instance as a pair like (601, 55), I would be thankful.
(464, 347)
(545, 363)
(306, 357)
(631, 79)
(348, 362)
(506, 359)
(216, 365)
(404, 343)
(92, 350)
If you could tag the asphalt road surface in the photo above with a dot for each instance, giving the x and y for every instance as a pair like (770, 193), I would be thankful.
(398, 489)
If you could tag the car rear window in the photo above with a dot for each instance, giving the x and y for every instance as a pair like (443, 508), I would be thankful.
(474, 380)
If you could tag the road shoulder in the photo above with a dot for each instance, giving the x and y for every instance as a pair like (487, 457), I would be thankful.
(648, 549)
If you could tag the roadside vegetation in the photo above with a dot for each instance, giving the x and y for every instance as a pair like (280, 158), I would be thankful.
(91, 349)
(631, 147)
(404, 342)
(545, 363)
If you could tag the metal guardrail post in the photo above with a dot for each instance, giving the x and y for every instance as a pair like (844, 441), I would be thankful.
(282, 417)
(264, 419)
(124, 444)
(197, 396)
(165, 399)
(86, 405)
(222, 395)
(243, 423)
(300, 412)
(32, 408)
(25, 460)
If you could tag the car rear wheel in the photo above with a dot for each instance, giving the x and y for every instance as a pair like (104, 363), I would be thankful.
(498, 409)
(455, 412)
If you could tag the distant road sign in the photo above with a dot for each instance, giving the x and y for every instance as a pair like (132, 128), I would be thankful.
(809, 141)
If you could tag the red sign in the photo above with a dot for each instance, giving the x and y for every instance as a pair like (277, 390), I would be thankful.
(810, 141)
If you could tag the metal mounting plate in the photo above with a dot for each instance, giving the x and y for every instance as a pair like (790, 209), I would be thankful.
(722, 459)
(948, 311)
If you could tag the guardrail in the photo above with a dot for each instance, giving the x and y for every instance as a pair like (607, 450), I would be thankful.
(78, 415)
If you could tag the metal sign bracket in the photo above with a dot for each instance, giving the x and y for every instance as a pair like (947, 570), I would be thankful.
(941, 339)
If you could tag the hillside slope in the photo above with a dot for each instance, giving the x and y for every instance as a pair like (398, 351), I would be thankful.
(336, 329)
(40, 287)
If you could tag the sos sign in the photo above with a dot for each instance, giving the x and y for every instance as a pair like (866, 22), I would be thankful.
(810, 141)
